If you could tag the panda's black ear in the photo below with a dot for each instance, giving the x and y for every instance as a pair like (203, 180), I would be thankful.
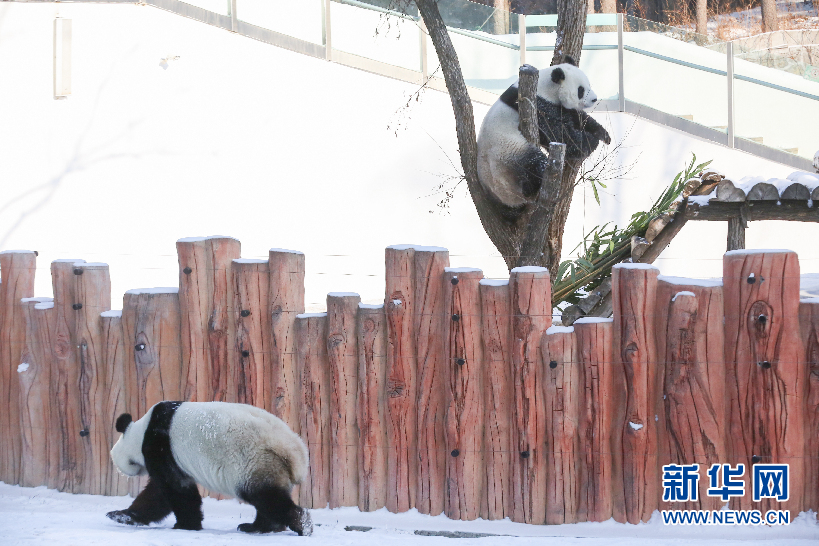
(123, 421)
(558, 75)
(568, 59)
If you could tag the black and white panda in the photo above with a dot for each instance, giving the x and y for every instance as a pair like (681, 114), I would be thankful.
(509, 167)
(232, 449)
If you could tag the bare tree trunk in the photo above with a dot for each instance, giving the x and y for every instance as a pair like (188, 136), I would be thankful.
(504, 235)
(507, 235)
(571, 26)
(702, 17)
(500, 18)
(770, 21)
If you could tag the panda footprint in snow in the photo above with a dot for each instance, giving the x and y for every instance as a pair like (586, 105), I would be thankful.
(232, 449)
(511, 168)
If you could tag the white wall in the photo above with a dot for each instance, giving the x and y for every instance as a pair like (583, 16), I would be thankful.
(274, 148)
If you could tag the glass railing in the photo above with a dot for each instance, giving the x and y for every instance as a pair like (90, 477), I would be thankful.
(303, 19)
(672, 70)
(221, 7)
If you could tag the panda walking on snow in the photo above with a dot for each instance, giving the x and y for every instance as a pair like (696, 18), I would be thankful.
(232, 449)
(511, 168)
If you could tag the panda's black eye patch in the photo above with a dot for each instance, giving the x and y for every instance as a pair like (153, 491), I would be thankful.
(580, 92)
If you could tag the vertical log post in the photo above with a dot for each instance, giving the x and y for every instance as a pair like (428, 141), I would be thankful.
(121, 380)
(466, 477)
(311, 337)
(151, 328)
(372, 407)
(765, 371)
(65, 379)
(809, 324)
(92, 290)
(34, 375)
(342, 355)
(286, 296)
(17, 269)
(531, 305)
(602, 420)
(254, 332)
(634, 288)
(207, 332)
(429, 331)
(690, 343)
(736, 233)
(399, 307)
(151, 332)
(564, 397)
(498, 449)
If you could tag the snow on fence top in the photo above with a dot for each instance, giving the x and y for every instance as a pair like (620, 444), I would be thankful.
(455, 401)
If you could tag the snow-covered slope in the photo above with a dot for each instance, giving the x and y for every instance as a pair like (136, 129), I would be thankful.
(40, 516)
(274, 148)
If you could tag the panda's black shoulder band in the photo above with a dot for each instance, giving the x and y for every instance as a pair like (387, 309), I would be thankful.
(510, 96)
(123, 421)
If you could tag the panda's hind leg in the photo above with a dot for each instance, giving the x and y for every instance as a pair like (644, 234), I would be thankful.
(530, 169)
(275, 510)
(150, 506)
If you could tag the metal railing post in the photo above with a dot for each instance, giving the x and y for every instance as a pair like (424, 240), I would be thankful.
(621, 93)
(422, 31)
(730, 70)
(234, 20)
(325, 30)
(522, 32)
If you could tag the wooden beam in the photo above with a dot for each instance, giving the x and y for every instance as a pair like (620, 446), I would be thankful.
(736, 234)
(796, 211)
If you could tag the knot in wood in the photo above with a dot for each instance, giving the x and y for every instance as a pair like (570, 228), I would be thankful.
(84, 432)
(245, 313)
(455, 453)
(277, 312)
(553, 364)
(245, 353)
(524, 454)
(765, 365)
(454, 280)
(187, 271)
(139, 346)
(76, 306)
(456, 317)
(395, 388)
(755, 459)
(77, 271)
(751, 279)
(369, 325)
(335, 340)
(461, 361)
(760, 319)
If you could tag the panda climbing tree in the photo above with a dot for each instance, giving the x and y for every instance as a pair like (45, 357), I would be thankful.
(504, 183)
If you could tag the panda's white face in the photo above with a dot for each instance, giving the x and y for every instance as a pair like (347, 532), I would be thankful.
(127, 452)
(567, 85)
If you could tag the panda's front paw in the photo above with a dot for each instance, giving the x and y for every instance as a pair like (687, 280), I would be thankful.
(602, 134)
(191, 526)
(304, 524)
(256, 529)
(126, 517)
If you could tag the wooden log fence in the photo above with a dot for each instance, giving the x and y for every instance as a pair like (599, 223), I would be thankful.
(455, 396)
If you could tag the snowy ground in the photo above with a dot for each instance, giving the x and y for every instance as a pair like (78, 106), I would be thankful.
(31, 516)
